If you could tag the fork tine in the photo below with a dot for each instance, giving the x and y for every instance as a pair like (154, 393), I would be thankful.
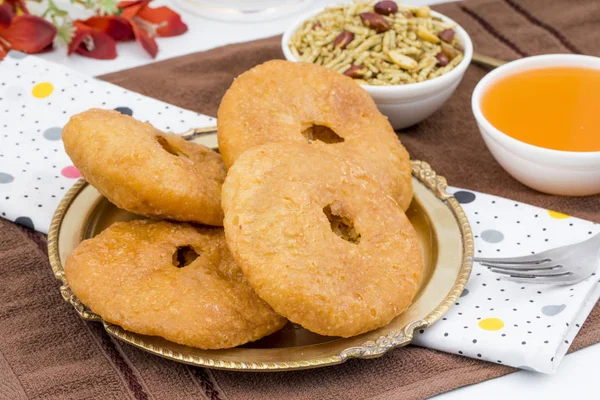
(555, 273)
(526, 260)
(522, 267)
(563, 280)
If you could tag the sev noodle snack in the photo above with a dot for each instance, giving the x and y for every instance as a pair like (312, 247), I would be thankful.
(379, 43)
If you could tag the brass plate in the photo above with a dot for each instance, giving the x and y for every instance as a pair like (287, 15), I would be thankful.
(446, 241)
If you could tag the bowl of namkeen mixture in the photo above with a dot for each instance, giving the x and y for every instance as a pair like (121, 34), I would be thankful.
(410, 59)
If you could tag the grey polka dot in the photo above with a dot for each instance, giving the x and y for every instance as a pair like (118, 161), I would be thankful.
(492, 236)
(53, 133)
(553, 309)
(17, 55)
(464, 197)
(25, 221)
(6, 178)
(124, 110)
(464, 293)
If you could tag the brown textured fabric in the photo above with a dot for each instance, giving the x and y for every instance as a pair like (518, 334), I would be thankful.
(46, 351)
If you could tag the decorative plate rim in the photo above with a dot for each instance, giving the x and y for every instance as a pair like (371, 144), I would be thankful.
(369, 349)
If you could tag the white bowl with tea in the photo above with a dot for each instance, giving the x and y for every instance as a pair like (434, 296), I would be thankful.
(540, 118)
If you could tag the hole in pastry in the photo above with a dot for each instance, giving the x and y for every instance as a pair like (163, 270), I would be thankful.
(184, 256)
(321, 133)
(164, 143)
(341, 226)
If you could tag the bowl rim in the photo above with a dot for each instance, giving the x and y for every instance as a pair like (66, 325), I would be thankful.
(418, 87)
(525, 64)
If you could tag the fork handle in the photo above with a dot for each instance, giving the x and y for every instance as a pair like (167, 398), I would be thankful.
(196, 132)
(486, 61)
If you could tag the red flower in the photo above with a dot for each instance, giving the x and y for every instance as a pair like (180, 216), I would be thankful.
(148, 22)
(26, 33)
(18, 6)
(93, 43)
(95, 37)
(117, 28)
(6, 16)
(166, 21)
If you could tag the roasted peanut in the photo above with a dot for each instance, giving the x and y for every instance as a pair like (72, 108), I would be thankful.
(343, 39)
(375, 21)
(446, 35)
(386, 7)
(442, 59)
(356, 71)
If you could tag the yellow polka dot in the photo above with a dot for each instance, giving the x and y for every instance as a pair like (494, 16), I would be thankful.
(491, 324)
(557, 215)
(42, 90)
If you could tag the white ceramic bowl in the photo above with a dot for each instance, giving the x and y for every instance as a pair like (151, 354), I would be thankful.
(406, 105)
(565, 173)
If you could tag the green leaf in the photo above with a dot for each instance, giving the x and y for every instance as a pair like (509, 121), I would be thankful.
(53, 10)
(65, 32)
(107, 7)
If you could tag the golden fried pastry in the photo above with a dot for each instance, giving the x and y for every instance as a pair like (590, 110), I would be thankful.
(281, 100)
(319, 240)
(171, 280)
(145, 171)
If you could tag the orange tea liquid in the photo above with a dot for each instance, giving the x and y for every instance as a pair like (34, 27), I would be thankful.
(556, 108)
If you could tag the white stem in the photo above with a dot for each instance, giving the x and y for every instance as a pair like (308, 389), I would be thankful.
(88, 42)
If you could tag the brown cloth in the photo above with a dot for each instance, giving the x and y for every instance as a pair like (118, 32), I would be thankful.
(47, 351)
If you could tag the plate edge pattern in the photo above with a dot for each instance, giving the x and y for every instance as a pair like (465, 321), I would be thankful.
(438, 184)
(54, 258)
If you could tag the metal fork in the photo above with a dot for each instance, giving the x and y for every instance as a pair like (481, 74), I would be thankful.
(564, 265)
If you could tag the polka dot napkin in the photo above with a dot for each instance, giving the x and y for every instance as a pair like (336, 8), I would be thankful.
(522, 325)
(525, 326)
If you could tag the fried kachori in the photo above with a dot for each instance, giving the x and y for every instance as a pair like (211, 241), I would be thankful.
(172, 280)
(319, 239)
(145, 171)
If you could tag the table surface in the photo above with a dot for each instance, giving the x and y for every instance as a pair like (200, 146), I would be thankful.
(577, 372)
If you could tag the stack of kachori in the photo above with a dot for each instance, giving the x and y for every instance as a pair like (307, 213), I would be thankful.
(302, 102)
(308, 222)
